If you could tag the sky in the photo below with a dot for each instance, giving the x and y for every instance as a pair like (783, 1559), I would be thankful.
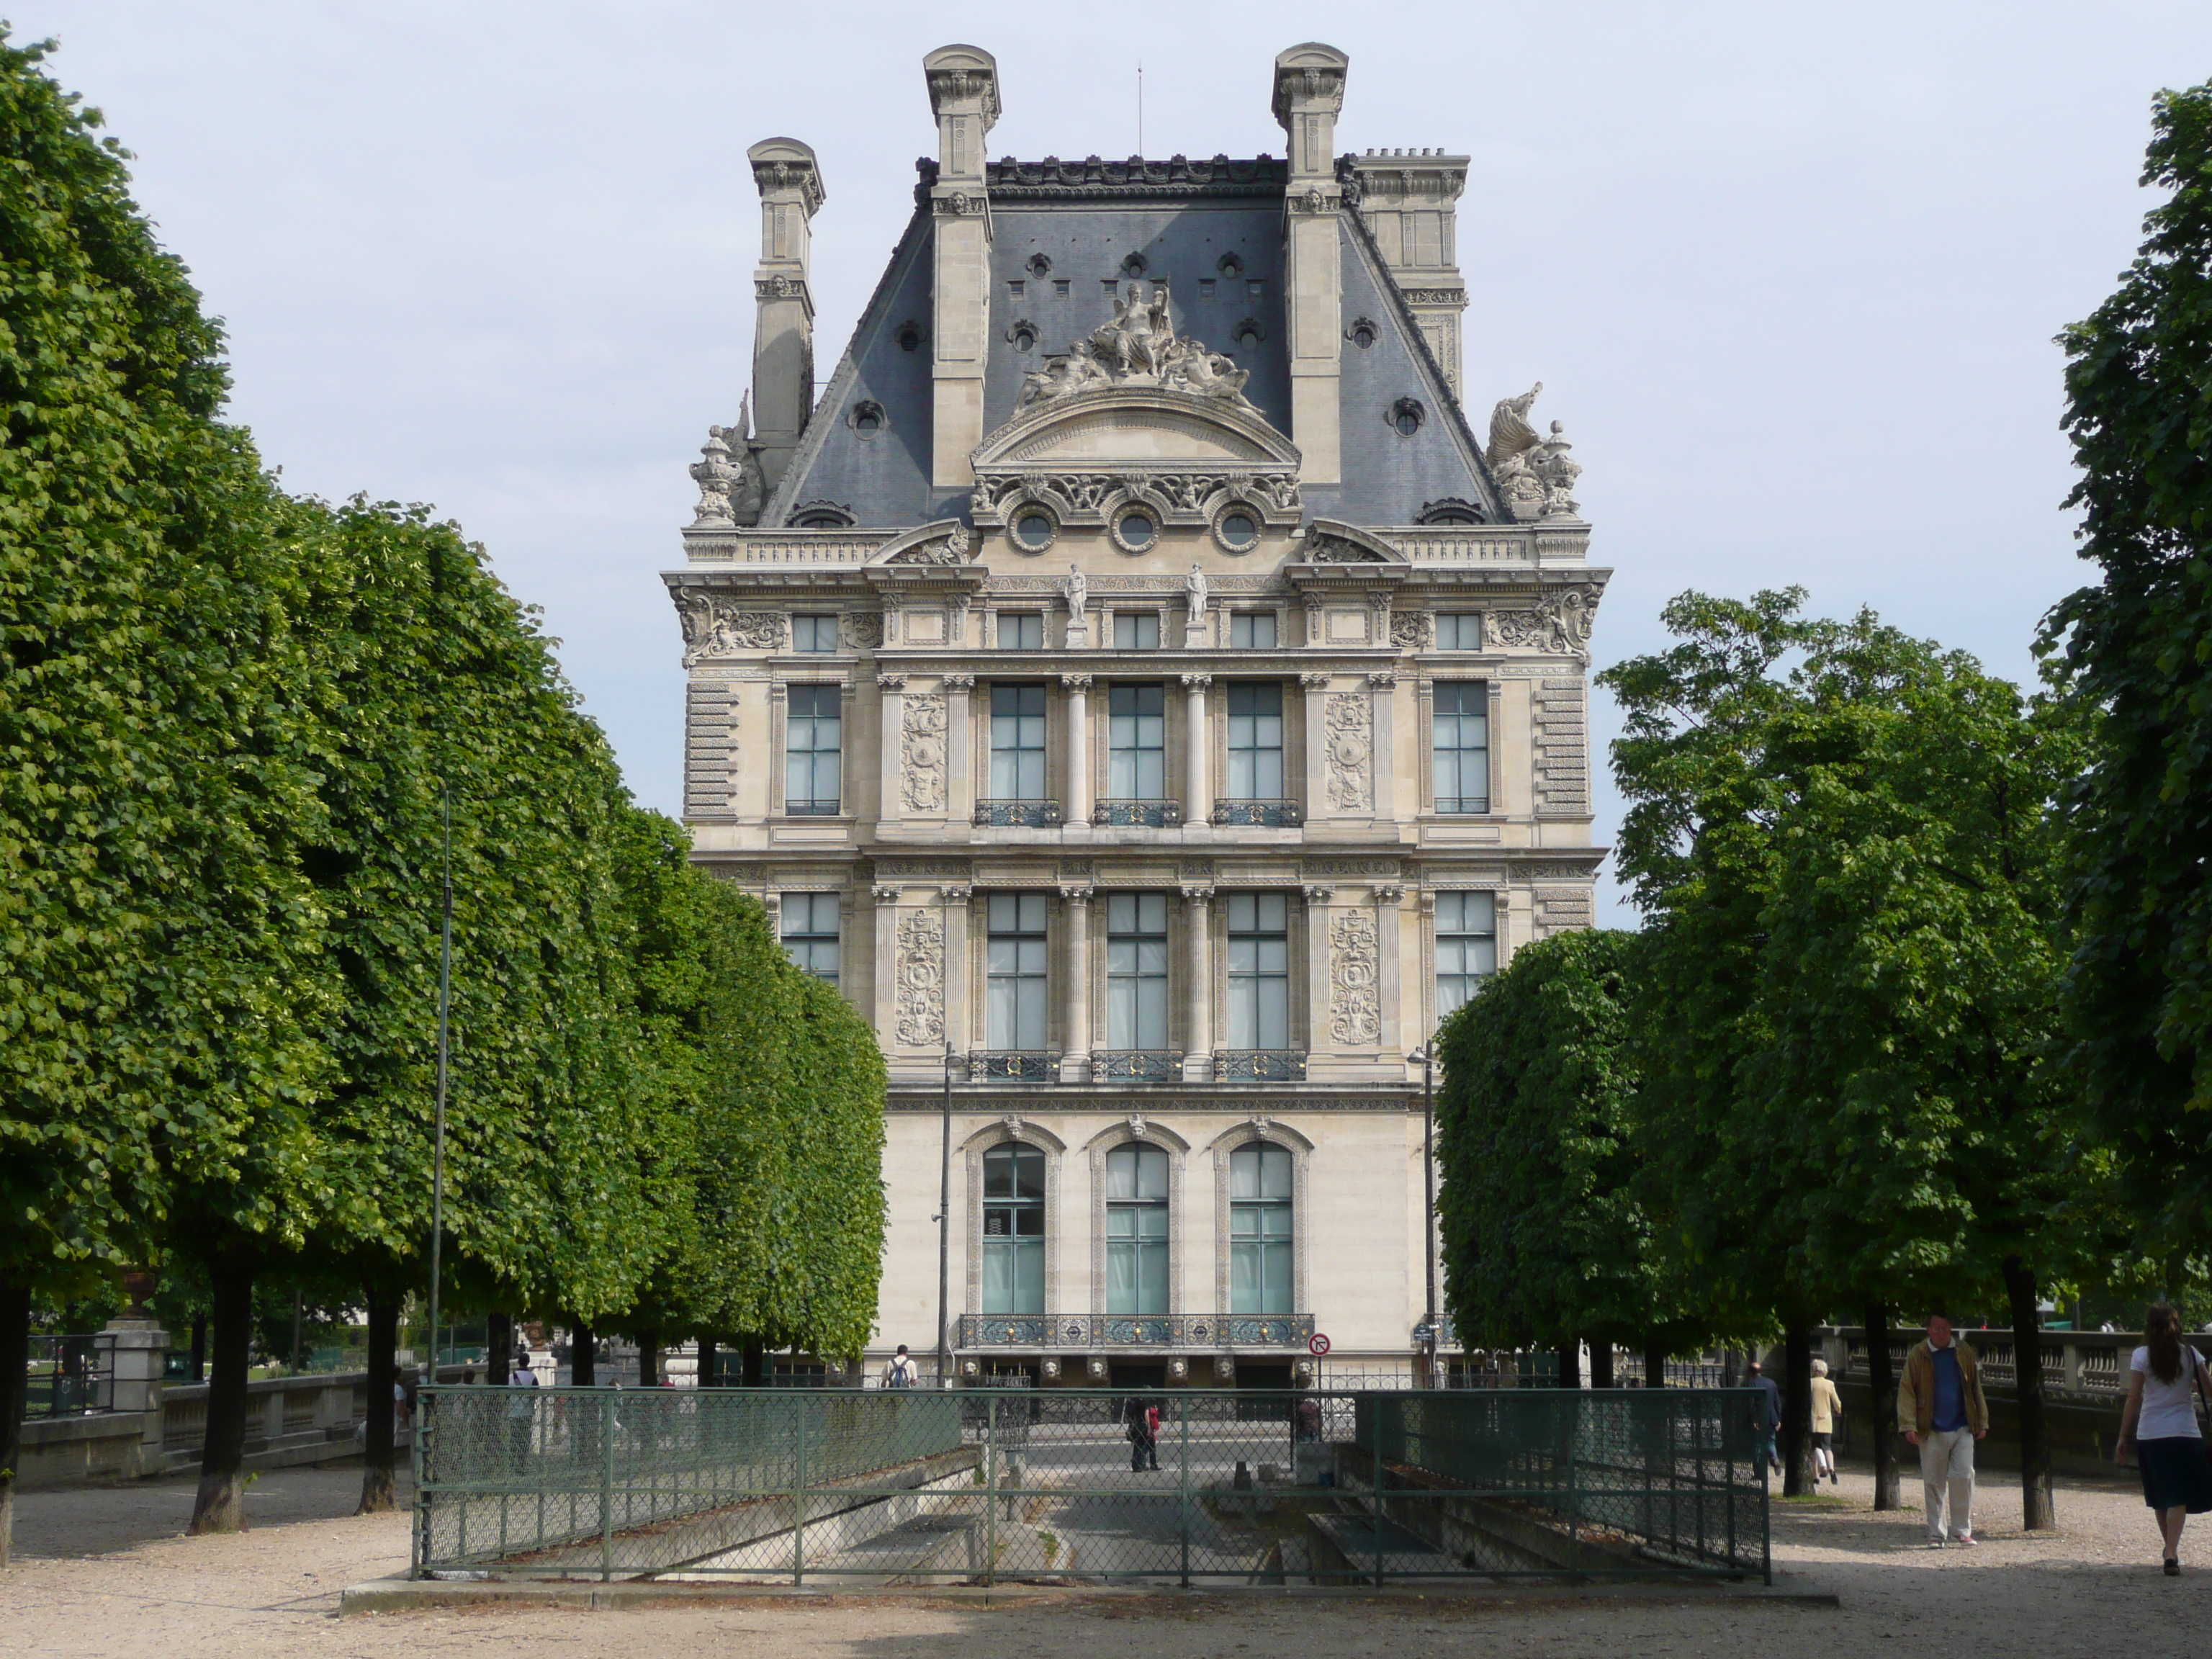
(1790, 274)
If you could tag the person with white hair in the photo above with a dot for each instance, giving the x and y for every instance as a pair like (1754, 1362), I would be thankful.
(1827, 1406)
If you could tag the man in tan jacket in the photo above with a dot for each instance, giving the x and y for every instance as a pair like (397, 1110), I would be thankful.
(1941, 1409)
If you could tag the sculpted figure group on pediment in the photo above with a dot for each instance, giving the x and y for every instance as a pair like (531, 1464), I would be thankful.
(1140, 346)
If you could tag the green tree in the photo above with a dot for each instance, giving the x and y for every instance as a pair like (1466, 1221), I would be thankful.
(158, 985)
(1545, 1239)
(2137, 650)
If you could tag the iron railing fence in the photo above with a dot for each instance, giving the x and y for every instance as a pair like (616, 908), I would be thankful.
(1167, 1487)
(69, 1375)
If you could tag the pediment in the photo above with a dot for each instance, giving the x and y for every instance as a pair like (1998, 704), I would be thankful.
(1137, 426)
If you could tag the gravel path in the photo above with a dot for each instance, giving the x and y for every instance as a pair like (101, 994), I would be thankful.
(104, 1572)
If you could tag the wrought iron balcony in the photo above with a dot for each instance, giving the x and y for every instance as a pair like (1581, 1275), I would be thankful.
(1135, 1066)
(1016, 814)
(1140, 1331)
(1266, 814)
(1012, 1065)
(1138, 814)
(1259, 1066)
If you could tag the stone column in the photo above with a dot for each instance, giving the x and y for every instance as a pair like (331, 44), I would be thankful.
(141, 1348)
(958, 903)
(959, 750)
(1075, 1022)
(892, 707)
(1197, 1045)
(1079, 747)
(1384, 700)
(1198, 805)
(1311, 791)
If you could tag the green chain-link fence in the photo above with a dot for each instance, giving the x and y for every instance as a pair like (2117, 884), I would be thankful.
(1082, 1486)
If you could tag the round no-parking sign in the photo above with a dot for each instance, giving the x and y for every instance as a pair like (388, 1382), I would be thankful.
(1317, 1345)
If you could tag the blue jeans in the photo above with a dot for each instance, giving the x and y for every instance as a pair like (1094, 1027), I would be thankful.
(1764, 1439)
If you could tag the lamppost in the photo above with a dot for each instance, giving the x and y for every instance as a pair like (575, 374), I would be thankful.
(1426, 1054)
(945, 1160)
(438, 1144)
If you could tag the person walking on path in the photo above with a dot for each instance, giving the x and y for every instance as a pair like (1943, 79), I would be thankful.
(1765, 1415)
(1827, 1406)
(2165, 1377)
(1941, 1409)
(901, 1371)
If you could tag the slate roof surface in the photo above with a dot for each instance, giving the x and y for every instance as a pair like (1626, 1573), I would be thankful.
(1212, 231)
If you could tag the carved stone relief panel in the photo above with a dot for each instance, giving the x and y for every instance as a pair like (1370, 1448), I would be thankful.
(863, 629)
(1355, 1003)
(714, 626)
(1409, 630)
(921, 738)
(921, 969)
(1351, 739)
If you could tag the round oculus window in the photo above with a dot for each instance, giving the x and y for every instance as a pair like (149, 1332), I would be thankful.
(1034, 530)
(1238, 530)
(1137, 531)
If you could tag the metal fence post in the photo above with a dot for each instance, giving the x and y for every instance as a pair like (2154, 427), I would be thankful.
(418, 1536)
(798, 1498)
(607, 1486)
(1182, 1487)
(990, 1488)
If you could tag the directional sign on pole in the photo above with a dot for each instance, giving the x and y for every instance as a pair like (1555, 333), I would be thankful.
(1317, 1345)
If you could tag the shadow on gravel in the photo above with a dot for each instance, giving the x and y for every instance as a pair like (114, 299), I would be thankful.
(76, 1522)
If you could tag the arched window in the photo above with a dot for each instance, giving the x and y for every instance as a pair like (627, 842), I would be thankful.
(1136, 1230)
(1260, 1230)
(1013, 1229)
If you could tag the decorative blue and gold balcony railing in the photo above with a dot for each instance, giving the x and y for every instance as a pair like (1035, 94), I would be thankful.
(1138, 814)
(1090, 1331)
(1017, 815)
(1135, 1066)
(1259, 1066)
(1007, 1066)
(1263, 814)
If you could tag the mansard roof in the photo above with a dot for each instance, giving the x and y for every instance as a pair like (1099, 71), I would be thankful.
(1066, 239)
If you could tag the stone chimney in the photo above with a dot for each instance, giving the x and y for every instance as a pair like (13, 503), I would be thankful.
(963, 94)
(1308, 94)
(783, 332)
(1410, 200)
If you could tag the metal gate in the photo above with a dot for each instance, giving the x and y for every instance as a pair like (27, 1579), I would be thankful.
(1177, 1486)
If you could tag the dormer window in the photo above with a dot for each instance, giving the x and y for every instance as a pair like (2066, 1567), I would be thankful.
(1231, 266)
(908, 336)
(823, 515)
(1450, 510)
(1406, 416)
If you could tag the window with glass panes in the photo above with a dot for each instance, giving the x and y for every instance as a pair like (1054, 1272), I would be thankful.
(1136, 742)
(1021, 630)
(1466, 946)
(1018, 742)
(1461, 743)
(1259, 1230)
(810, 933)
(1014, 971)
(1255, 740)
(1013, 1231)
(1459, 630)
(1136, 631)
(1259, 971)
(812, 734)
(813, 633)
(1136, 1230)
(1252, 630)
(1137, 971)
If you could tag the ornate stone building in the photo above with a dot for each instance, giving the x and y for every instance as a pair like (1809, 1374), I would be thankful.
(1135, 682)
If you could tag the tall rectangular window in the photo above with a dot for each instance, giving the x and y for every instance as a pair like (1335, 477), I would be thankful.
(1136, 631)
(1137, 971)
(1018, 742)
(1136, 1230)
(1255, 740)
(1021, 630)
(810, 933)
(1466, 946)
(813, 633)
(1259, 971)
(1136, 742)
(1252, 630)
(1461, 747)
(1015, 972)
(812, 734)
(1459, 630)
(1013, 1231)
(1259, 1230)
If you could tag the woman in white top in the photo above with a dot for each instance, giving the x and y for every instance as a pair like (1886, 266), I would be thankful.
(2165, 1377)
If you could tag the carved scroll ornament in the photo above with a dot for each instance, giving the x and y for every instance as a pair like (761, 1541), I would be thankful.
(921, 969)
(1349, 727)
(921, 752)
(1355, 1003)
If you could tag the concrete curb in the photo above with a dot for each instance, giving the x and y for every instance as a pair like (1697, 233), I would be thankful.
(418, 1595)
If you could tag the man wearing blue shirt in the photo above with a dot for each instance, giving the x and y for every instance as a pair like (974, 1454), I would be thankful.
(1940, 1409)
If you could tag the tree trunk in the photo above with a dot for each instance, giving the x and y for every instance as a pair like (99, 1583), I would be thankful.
(379, 1433)
(1602, 1363)
(1654, 1363)
(15, 1397)
(648, 1358)
(2037, 1514)
(756, 1362)
(1570, 1366)
(220, 1505)
(706, 1361)
(1881, 1413)
(499, 1347)
(1796, 1408)
(583, 1356)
